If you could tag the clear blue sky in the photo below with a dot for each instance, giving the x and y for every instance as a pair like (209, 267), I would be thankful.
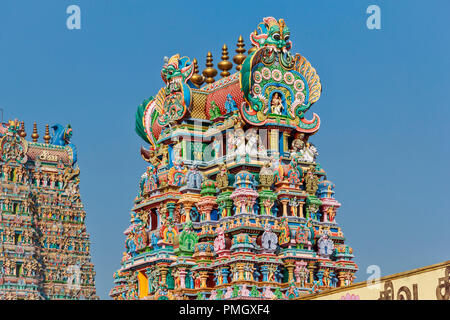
(384, 107)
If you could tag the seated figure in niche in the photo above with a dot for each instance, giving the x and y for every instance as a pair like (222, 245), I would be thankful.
(177, 151)
(276, 104)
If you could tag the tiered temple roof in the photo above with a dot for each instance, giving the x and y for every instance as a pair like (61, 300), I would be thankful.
(233, 204)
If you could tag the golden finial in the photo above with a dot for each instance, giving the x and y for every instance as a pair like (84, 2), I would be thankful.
(240, 56)
(209, 72)
(252, 49)
(35, 134)
(47, 135)
(22, 132)
(197, 78)
(225, 65)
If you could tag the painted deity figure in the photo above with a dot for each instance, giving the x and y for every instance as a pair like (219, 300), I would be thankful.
(269, 240)
(164, 152)
(231, 143)
(325, 245)
(219, 242)
(194, 178)
(267, 293)
(311, 181)
(251, 147)
(272, 270)
(230, 104)
(276, 104)
(241, 150)
(326, 278)
(301, 273)
(292, 291)
(331, 212)
(298, 144)
(248, 271)
(177, 149)
(222, 176)
(309, 153)
(213, 295)
(216, 145)
(244, 291)
(228, 293)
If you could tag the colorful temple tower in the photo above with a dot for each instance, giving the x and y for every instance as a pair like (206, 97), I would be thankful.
(44, 246)
(233, 204)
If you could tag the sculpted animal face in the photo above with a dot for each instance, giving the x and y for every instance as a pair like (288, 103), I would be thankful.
(177, 70)
(272, 33)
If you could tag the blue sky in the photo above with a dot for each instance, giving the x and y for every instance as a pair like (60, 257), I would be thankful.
(384, 106)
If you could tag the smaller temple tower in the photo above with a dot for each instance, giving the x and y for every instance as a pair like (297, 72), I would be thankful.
(44, 246)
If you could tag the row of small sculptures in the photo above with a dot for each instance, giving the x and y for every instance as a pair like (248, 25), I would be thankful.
(8, 234)
(29, 267)
(59, 180)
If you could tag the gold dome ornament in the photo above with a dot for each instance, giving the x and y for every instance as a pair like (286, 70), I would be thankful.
(240, 56)
(225, 65)
(197, 79)
(209, 72)
(22, 132)
(47, 135)
(35, 134)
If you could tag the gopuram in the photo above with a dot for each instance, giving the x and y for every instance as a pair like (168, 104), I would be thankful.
(233, 204)
(44, 246)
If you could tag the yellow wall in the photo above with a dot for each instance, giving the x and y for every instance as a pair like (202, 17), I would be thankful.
(143, 285)
(427, 283)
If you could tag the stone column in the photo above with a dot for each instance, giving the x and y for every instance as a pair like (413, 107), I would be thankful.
(274, 136)
(182, 274)
(203, 278)
(285, 141)
(225, 273)
(163, 270)
(290, 268)
(311, 272)
(171, 208)
(284, 202)
(241, 271)
(265, 272)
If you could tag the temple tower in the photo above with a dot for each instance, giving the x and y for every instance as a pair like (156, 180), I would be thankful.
(233, 204)
(44, 246)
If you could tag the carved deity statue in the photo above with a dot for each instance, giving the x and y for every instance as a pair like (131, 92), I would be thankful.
(231, 143)
(222, 176)
(266, 175)
(325, 245)
(301, 273)
(251, 147)
(194, 178)
(219, 242)
(276, 104)
(269, 240)
(240, 144)
(311, 181)
(216, 145)
(177, 147)
(298, 144)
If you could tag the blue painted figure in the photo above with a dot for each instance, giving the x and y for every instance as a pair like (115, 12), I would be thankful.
(230, 104)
